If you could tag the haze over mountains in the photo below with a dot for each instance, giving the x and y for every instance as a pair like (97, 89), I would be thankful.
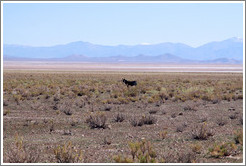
(226, 51)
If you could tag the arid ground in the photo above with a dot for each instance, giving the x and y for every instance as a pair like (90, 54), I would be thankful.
(62, 115)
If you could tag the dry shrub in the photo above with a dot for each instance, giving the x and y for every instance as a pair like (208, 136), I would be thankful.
(240, 97)
(106, 141)
(163, 96)
(181, 127)
(224, 149)
(74, 122)
(6, 112)
(196, 148)
(215, 101)
(233, 116)
(201, 132)
(27, 122)
(170, 157)
(241, 120)
(57, 97)
(123, 100)
(153, 111)
(45, 121)
(190, 108)
(163, 134)
(221, 121)
(122, 159)
(66, 108)
(180, 156)
(231, 109)
(5, 103)
(144, 120)
(186, 156)
(67, 153)
(149, 119)
(119, 117)
(106, 107)
(151, 100)
(136, 122)
(17, 98)
(173, 115)
(20, 153)
(52, 126)
(238, 136)
(163, 112)
(227, 97)
(203, 118)
(97, 120)
(141, 152)
(67, 132)
(58, 112)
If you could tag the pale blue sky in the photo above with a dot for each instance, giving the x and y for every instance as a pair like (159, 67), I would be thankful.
(47, 24)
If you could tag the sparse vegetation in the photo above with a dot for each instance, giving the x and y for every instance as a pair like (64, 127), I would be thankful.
(148, 119)
(97, 120)
(177, 112)
(21, 153)
(67, 153)
(66, 108)
(196, 148)
(153, 111)
(233, 116)
(181, 156)
(201, 132)
(238, 136)
(163, 134)
(119, 117)
(224, 149)
(221, 121)
(181, 127)
(136, 121)
(6, 112)
(141, 152)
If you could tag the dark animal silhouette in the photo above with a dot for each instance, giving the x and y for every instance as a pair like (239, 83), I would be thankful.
(131, 83)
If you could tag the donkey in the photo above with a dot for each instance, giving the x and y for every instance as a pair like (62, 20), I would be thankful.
(131, 83)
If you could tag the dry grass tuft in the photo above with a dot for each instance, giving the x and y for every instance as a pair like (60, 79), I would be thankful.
(221, 150)
(141, 152)
(201, 132)
(20, 153)
(67, 153)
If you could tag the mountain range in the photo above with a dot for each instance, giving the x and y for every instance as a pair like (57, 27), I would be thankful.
(226, 51)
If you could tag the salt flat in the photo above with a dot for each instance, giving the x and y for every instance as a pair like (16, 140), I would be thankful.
(143, 67)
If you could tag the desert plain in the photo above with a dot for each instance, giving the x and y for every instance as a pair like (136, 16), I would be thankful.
(84, 113)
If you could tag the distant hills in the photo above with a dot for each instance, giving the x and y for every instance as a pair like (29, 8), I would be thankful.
(227, 51)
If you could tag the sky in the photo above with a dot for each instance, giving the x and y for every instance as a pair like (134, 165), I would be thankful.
(49, 24)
